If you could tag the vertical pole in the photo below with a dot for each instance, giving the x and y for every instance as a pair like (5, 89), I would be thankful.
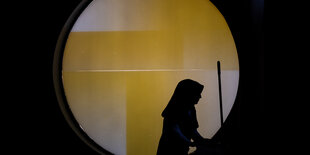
(220, 91)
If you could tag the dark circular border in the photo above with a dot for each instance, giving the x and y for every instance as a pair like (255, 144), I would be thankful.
(57, 78)
(244, 37)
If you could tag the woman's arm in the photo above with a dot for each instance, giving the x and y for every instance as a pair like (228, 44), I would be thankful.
(179, 133)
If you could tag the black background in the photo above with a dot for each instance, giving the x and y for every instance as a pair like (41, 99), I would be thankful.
(36, 124)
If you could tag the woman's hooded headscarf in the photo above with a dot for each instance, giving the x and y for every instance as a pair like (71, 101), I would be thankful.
(183, 98)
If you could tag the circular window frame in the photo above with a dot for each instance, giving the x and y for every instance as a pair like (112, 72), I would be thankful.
(57, 78)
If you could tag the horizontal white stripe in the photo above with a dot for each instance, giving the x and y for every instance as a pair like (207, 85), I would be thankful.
(150, 70)
(141, 70)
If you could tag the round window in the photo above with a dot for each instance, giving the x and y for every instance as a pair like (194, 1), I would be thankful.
(118, 62)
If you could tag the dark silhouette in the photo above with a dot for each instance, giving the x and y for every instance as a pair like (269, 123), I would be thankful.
(180, 121)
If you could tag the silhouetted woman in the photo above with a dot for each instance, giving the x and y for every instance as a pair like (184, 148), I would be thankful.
(180, 121)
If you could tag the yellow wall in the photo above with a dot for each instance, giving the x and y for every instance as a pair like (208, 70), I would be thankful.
(125, 50)
(124, 58)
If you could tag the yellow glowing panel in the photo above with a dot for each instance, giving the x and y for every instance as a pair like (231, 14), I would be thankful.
(124, 58)
(123, 50)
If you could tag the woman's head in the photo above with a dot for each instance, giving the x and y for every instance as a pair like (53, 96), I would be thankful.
(188, 92)
(186, 95)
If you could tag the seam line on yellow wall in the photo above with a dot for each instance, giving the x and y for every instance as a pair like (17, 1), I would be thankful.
(140, 70)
